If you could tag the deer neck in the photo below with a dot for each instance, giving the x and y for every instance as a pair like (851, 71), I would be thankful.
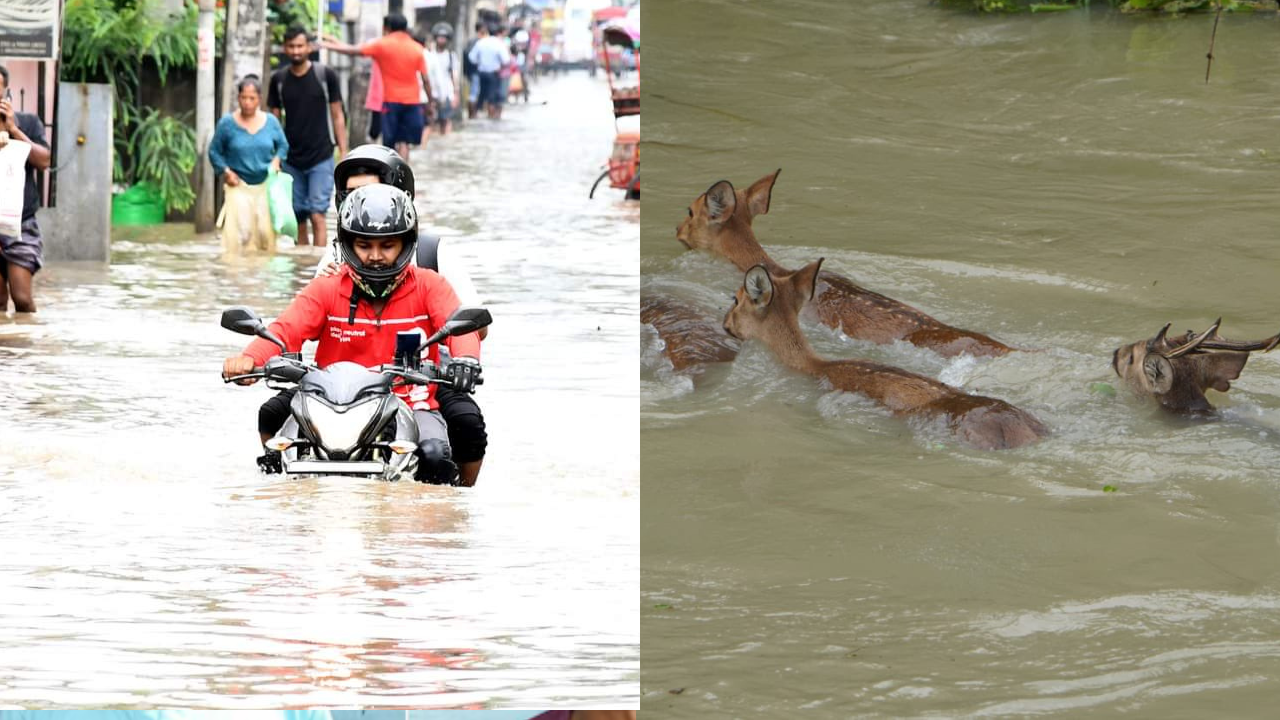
(739, 245)
(791, 347)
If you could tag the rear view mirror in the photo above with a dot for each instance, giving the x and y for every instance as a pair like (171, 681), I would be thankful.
(462, 321)
(467, 320)
(242, 320)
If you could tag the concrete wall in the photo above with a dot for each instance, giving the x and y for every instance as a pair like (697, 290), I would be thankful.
(79, 228)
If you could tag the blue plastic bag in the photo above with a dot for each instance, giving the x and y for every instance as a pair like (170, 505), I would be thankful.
(280, 201)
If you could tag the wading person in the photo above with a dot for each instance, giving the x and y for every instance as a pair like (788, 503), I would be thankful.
(490, 56)
(22, 255)
(402, 67)
(246, 144)
(468, 439)
(356, 314)
(442, 71)
(311, 100)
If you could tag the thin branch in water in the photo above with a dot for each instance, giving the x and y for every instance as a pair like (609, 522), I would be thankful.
(1212, 37)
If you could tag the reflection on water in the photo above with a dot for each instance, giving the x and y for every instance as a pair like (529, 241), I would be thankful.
(146, 562)
(1066, 184)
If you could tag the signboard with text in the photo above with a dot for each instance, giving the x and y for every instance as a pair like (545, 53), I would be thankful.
(29, 29)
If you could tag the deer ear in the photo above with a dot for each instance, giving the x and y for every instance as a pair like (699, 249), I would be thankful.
(721, 200)
(1159, 373)
(806, 279)
(759, 286)
(759, 193)
(1220, 368)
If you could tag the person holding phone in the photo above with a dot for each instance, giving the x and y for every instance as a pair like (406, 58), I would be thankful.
(21, 256)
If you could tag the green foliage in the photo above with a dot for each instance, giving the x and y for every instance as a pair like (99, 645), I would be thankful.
(280, 15)
(165, 148)
(109, 41)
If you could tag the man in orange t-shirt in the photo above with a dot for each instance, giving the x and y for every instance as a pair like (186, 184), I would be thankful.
(404, 69)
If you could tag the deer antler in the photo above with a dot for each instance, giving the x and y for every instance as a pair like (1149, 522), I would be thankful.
(1193, 343)
(1156, 342)
(1264, 345)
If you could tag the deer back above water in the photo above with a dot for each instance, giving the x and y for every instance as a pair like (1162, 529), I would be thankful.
(719, 222)
(691, 338)
(767, 308)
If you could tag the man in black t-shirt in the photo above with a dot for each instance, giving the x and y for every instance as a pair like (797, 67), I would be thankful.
(22, 255)
(313, 121)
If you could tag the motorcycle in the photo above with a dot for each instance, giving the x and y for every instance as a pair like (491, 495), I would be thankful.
(346, 419)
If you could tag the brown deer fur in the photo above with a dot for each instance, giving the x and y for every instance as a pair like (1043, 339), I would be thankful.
(690, 337)
(767, 308)
(719, 222)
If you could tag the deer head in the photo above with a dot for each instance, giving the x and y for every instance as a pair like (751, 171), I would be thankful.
(1177, 371)
(766, 303)
(721, 217)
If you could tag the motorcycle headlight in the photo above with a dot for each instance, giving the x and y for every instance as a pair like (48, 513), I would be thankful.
(340, 430)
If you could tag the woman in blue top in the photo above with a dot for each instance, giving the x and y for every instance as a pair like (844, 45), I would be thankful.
(246, 145)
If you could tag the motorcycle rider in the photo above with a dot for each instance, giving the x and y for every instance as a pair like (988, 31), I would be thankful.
(467, 436)
(356, 313)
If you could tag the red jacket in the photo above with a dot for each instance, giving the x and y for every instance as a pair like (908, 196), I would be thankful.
(423, 300)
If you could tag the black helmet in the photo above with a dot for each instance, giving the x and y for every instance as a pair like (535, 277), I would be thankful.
(377, 211)
(442, 28)
(379, 160)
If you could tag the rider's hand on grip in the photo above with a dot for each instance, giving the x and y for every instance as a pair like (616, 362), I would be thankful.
(238, 365)
(464, 373)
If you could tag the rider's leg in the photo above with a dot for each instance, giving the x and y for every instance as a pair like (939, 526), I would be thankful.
(434, 462)
(274, 412)
(271, 417)
(467, 437)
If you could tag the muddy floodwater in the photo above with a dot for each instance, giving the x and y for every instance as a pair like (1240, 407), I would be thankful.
(145, 562)
(1065, 183)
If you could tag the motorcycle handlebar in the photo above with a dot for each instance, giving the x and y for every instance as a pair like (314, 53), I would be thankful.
(267, 371)
(429, 374)
(257, 374)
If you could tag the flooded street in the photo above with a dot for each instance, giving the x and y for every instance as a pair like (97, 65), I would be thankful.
(146, 562)
(1066, 183)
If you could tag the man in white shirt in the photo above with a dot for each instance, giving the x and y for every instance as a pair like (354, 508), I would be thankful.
(442, 73)
(490, 55)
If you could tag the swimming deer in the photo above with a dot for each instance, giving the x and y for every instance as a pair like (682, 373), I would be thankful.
(719, 222)
(767, 308)
(690, 337)
(1176, 371)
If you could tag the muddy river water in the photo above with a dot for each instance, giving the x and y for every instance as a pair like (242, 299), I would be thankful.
(145, 561)
(1065, 183)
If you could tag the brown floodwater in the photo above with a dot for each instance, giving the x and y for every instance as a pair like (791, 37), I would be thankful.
(1062, 182)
